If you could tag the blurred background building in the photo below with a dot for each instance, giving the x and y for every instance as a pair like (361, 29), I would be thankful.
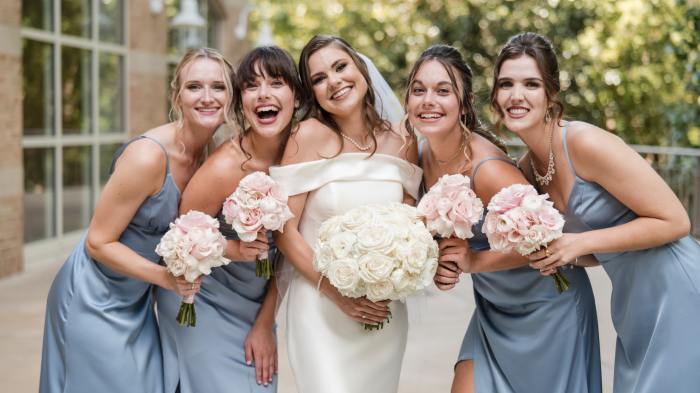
(78, 77)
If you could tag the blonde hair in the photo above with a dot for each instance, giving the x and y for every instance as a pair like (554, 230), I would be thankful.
(176, 84)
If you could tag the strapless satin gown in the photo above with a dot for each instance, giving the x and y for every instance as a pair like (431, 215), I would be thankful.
(328, 351)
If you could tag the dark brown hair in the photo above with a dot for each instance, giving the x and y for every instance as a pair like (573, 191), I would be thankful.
(371, 119)
(276, 63)
(461, 78)
(541, 50)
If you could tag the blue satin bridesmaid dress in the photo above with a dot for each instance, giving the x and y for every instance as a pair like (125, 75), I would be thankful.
(210, 357)
(524, 336)
(100, 332)
(655, 302)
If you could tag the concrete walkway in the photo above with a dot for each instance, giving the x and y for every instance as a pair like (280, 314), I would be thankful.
(438, 323)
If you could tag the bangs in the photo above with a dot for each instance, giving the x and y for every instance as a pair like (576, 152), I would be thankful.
(270, 61)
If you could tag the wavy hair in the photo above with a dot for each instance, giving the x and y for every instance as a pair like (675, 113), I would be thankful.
(370, 117)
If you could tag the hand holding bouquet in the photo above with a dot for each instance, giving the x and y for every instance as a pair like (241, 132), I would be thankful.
(258, 203)
(520, 219)
(451, 208)
(383, 252)
(191, 247)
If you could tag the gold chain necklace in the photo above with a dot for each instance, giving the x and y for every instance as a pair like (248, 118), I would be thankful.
(357, 145)
(544, 180)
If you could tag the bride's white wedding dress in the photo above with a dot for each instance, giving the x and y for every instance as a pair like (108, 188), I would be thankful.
(328, 351)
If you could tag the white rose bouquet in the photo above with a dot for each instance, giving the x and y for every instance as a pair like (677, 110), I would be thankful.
(191, 247)
(520, 219)
(383, 252)
(258, 203)
(451, 208)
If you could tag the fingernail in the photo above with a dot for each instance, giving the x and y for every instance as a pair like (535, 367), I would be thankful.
(248, 362)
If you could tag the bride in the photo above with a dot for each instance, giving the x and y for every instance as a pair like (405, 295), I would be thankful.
(342, 156)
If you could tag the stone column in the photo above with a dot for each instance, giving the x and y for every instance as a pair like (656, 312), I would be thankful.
(147, 67)
(11, 174)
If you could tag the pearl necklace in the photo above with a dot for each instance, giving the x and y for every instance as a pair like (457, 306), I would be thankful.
(357, 145)
(544, 180)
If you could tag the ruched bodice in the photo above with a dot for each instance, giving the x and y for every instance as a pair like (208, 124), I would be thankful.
(324, 343)
(652, 293)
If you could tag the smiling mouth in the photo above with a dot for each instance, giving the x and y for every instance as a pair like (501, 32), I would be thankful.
(207, 111)
(517, 111)
(430, 116)
(341, 93)
(266, 112)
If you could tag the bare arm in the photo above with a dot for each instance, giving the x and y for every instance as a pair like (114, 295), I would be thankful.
(118, 203)
(603, 158)
(208, 189)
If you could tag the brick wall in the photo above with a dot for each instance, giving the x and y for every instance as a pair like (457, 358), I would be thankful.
(11, 214)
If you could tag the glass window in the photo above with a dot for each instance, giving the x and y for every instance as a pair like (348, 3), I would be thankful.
(77, 188)
(38, 109)
(76, 18)
(106, 156)
(111, 94)
(75, 90)
(39, 199)
(37, 14)
(111, 18)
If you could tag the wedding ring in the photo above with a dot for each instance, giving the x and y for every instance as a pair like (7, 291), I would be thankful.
(364, 316)
(546, 252)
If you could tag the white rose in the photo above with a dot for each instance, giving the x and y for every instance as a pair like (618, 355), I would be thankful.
(378, 238)
(272, 221)
(375, 267)
(356, 218)
(342, 244)
(379, 291)
(401, 280)
(417, 257)
(532, 202)
(329, 228)
(344, 275)
(323, 256)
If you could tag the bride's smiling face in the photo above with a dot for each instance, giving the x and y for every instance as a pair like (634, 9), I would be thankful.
(338, 84)
(433, 106)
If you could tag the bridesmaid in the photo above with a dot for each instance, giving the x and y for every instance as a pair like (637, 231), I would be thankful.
(100, 331)
(235, 308)
(513, 335)
(617, 209)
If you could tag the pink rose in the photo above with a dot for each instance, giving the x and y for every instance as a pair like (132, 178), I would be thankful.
(257, 182)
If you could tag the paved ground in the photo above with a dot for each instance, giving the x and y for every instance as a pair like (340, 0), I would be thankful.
(438, 322)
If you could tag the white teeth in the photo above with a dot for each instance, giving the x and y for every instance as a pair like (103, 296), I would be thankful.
(208, 110)
(518, 111)
(430, 115)
(266, 108)
(340, 93)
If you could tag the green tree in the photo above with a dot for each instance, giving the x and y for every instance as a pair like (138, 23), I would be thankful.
(627, 65)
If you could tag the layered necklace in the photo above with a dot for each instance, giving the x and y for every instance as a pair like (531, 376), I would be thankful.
(354, 142)
(545, 179)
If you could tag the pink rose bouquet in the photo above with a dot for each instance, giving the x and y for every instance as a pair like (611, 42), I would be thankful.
(451, 208)
(258, 203)
(191, 247)
(520, 219)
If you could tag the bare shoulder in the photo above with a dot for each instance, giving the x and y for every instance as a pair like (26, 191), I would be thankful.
(399, 143)
(223, 166)
(144, 156)
(311, 140)
(482, 148)
(586, 138)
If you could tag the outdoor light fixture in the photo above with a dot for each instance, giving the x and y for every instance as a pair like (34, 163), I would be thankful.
(189, 25)
(156, 6)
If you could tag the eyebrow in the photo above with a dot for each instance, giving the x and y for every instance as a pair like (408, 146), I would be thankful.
(526, 79)
(335, 63)
(439, 83)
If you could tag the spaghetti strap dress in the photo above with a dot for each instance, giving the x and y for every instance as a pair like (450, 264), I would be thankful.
(655, 303)
(100, 332)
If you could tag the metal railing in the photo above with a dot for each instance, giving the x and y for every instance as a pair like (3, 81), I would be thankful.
(678, 166)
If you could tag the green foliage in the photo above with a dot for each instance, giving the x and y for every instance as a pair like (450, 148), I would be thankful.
(629, 66)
